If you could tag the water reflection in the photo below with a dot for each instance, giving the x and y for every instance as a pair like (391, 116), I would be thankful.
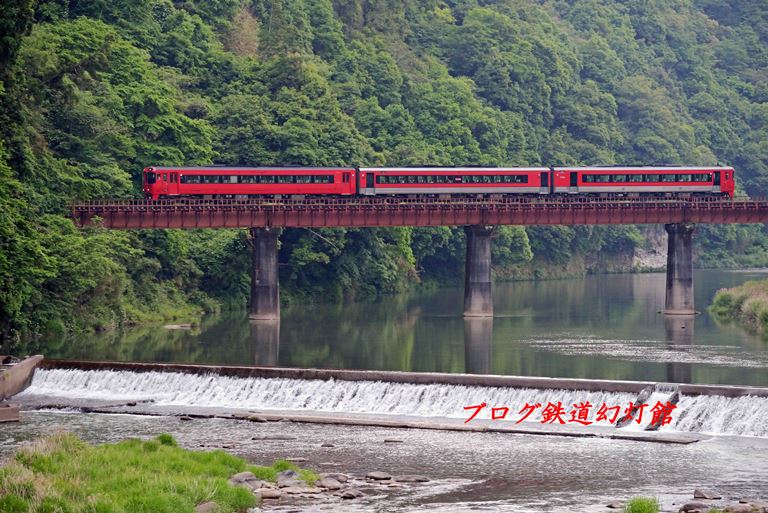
(605, 327)
(265, 342)
(680, 336)
(478, 334)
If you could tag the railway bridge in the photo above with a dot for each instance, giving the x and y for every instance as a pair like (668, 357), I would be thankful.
(266, 217)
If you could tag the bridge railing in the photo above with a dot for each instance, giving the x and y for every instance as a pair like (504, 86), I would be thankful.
(389, 202)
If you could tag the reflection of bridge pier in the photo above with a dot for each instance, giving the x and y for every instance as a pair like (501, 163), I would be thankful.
(679, 332)
(477, 272)
(265, 342)
(679, 294)
(265, 289)
(478, 333)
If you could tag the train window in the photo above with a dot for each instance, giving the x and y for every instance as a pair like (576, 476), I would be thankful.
(702, 177)
(652, 178)
(151, 178)
(668, 178)
(684, 178)
(619, 178)
(521, 178)
(165, 177)
(588, 178)
(602, 178)
(635, 178)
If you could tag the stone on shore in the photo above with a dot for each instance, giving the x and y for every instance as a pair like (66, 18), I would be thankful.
(242, 477)
(694, 506)
(268, 493)
(741, 508)
(378, 476)
(341, 478)
(207, 507)
(295, 490)
(329, 483)
(351, 493)
(615, 505)
(698, 493)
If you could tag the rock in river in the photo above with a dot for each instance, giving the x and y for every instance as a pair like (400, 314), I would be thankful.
(698, 493)
(378, 476)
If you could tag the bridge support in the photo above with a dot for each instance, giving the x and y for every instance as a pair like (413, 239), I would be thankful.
(477, 272)
(265, 289)
(679, 297)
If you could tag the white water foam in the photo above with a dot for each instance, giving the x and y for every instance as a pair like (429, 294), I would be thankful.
(708, 414)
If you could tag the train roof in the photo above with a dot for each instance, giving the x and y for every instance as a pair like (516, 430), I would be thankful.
(643, 168)
(450, 169)
(260, 168)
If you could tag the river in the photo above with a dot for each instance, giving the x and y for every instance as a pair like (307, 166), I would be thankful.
(600, 326)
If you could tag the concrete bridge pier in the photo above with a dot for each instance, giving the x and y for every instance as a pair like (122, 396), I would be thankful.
(477, 272)
(265, 289)
(679, 297)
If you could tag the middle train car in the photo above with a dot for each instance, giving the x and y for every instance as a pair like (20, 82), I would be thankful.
(453, 180)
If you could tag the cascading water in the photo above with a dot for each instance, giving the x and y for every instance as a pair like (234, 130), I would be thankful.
(708, 414)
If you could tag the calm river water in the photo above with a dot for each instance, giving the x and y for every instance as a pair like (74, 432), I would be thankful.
(602, 326)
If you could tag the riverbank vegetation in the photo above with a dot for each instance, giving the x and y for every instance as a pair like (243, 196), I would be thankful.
(92, 92)
(60, 473)
(746, 304)
(642, 505)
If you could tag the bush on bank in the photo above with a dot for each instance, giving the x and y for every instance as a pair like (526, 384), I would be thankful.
(61, 473)
(642, 505)
(746, 304)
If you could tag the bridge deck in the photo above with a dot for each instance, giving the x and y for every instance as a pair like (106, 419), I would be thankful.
(378, 212)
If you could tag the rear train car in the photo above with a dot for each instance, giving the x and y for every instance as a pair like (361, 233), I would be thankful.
(661, 181)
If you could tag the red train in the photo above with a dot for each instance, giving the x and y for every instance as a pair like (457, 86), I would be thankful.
(253, 182)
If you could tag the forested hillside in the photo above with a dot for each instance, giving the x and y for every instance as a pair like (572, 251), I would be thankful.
(93, 91)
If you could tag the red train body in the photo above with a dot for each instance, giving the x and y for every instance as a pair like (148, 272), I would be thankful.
(242, 182)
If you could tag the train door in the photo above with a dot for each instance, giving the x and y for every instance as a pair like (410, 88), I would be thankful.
(163, 182)
(173, 187)
(367, 183)
(346, 180)
(716, 182)
(574, 185)
(544, 189)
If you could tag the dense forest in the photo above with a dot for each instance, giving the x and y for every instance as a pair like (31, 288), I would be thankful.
(93, 91)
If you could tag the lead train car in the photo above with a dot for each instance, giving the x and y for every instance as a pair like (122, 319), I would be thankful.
(241, 182)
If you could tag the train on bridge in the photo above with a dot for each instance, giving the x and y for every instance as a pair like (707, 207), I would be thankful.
(277, 182)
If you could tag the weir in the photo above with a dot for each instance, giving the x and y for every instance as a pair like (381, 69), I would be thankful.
(679, 294)
(335, 394)
(265, 288)
(478, 301)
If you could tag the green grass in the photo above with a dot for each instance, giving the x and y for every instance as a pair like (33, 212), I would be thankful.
(747, 304)
(62, 474)
(642, 505)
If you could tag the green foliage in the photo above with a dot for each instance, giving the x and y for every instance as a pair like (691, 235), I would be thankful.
(642, 505)
(91, 92)
(746, 304)
(61, 473)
